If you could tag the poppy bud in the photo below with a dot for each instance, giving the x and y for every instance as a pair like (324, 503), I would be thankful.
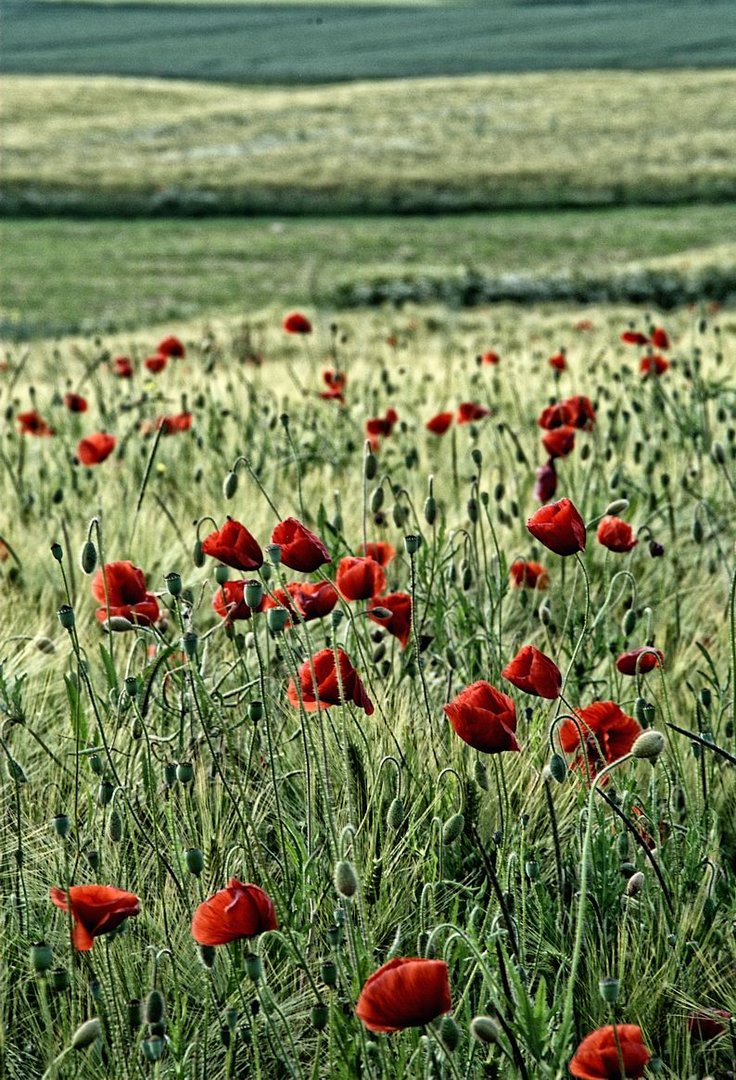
(629, 622)
(346, 880)
(253, 594)
(449, 1032)
(616, 507)
(276, 619)
(718, 453)
(452, 828)
(399, 514)
(255, 711)
(86, 1034)
(88, 557)
(61, 825)
(320, 1016)
(376, 500)
(185, 772)
(656, 550)
(609, 988)
(484, 1029)
(648, 746)
(206, 954)
(706, 697)
(93, 858)
(152, 1047)
(221, 574)
(57, 551)
(370, 464)
(635, 884)
(170, 774)
(197, 554)
(395, 816)
(41, 957)
(104, 792)
(558, 768)
(66, 616)
(697, 530)
(115, 827)
(60, 980)
(480, 772)
(173, 583)
(467, 576)
(430, 510)
(134, 1015)
(644, 712)
(230, 485)
(189, 643)
(379, 652)
(253, 966)
(194, 860)
(154, 1007)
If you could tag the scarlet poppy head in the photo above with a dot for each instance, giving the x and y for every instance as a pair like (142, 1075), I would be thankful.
(320, 686)
(95, 448)
(122, 367)
(380, 550)
(335, 380)
(120, 588)
(608, 734)
(559, 442)
(32, 423)
(237, 911)
(530, 575)
(301, 550)
(75, 403)
(660, 338)
(580, 412)
(470, 411)
(706, 1024)
(171, 346)
(534, 673)
(490, 357)
(597, 1056)
(484, 717)
(234, 546)
(616, 534)
(634, 337)
(559, 527)
(398, 622)
(404, 993)
(439, 424)
(639, 660)
(313, 599)
(558, 361)
(156, 363)
(653, 364)
(172, 425)
(296, 323)
(359, 578)
(95, 910)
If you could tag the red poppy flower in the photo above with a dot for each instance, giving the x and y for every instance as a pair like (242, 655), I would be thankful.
(534, 673)
(234, 546)
(171, 346)
(398, 623)
(545, 484)
(382, 425)
(530, 575)
(122, 367)
(706, 1024)
(470, 411)
(359, 578)
(559, 527)
(173, 424)
(296, 323)
(490, 358)
(404, 993)
(634, 337)
(558, 361)
(580, 411)
(616, 535)
(156, 363)
(328, 685)
(653, 364)
(229, 601)
(335, 380)
(313, 599)
(126, 594)
(597, 1057)
(660, 338)
(439, 424)
(237, 911)
(608, 733)
(559, 442)
(95, 448)
(96, 910)
(644, 659)
(75, 403)
(484, 717)
(380, 550)
(557, 415)
(32, 423)
(300, 549)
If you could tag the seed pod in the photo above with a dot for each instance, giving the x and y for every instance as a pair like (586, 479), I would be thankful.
(194, 860)
(170, 774)
(66, 617)
(189, 642)
(609, 988)
(60, 980)
(253, 966)
(41, 957)
(185, 772)
(152, 1047)
(61, 825)
(452, 828)
(320, 1016)
(88, 557)
(276, 619)
(255, 711)
(412, 543)
(253, 594)
(104, 792)
(173, 583)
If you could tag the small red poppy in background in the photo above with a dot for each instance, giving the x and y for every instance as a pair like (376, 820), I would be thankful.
(398, 623)
(530, 575)
(382, 425)
(545, 484)
(608, 734)
(229, 601)
(122, 367)
(484, 717)
(126, 594)
(173, 424)
(156, 363)
(334, 380)
(171, 346)
(583, 325)
(706, 1024)
(634, 337)
(653, 364)
(597, 1057)
(469, 411)
(404, 993)
(559, 527)
(380, 550)
(237, 911)
(580, 411)
(490, 357)
(534, 673)
(296, 323)
(616, 534)
(660, 338)
(558, 361)
(93, 449)
(554, 416)
(313, 599)
(95, 909)
(75, 403)
(328, 685)
(32, 423)
(359, 578)
(439, 424)
(234, 546)
(642, 660)
(300, 549)
(559, 442)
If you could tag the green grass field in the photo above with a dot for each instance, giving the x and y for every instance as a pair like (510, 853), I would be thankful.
(122, 146)
(61, 276)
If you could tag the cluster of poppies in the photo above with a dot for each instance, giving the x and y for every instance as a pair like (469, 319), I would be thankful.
(468, 412)
(653, 362)
(560, 423)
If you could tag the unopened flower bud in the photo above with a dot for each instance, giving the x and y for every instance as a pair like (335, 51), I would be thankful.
(194, 860)
(629, 622)
(649, 745)
(230, 485)
(635, 884)
(644, 712)
(346, 880)
(558, 768)
(395, 816)
(197, 554)
(484, 1029)
(154, 1007)
(170, 774)
(206, 954)
(88, 557)
(153, 1047)
(59, 980)
(480, 772)
(117, 624)
(430, 510)
(115, 826)
(370, 464)
(104, 792)
(57, 551)
(449, 1032)
(718, 453)
(86, 1034)
(255, 711)
(617, 507)
(453, 828)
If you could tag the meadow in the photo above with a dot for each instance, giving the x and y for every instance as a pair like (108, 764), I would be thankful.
(154, 739)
